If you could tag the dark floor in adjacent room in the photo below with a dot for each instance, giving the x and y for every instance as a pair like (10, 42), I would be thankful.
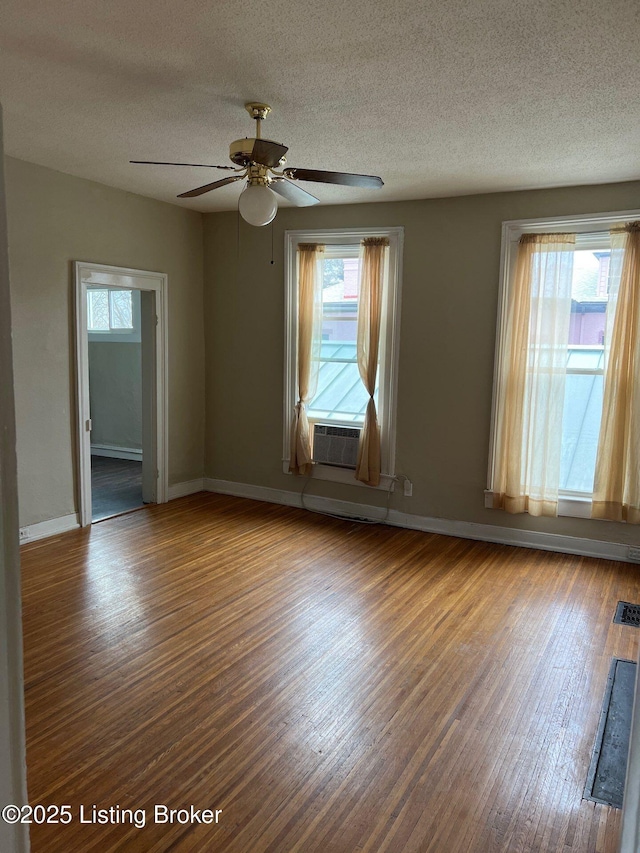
(116, 486)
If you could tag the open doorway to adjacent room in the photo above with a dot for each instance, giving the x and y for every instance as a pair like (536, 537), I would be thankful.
(121, 364)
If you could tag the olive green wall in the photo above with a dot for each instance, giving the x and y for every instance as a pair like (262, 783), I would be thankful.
(449, 309)
(229, 369)
(55, 219)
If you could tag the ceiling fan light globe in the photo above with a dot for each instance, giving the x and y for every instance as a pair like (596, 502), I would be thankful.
(258, 205)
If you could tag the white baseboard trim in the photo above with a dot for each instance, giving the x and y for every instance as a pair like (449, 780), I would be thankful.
(514, 536)
(181, 490)
(257, 493)
(445, 526)
(52, 527)
(112, 451)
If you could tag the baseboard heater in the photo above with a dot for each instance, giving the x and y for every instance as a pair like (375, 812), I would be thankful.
(336, 445)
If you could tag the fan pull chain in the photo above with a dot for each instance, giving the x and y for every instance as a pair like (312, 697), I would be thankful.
(238, 245)
(272, 242)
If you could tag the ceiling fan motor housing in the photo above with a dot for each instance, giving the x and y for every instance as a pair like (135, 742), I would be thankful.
(241, 150)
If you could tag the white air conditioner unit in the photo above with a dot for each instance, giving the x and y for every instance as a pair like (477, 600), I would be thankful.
(336, 445)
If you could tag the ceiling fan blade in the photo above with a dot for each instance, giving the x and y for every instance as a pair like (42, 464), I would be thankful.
(344, 178)
(162, 163)
(300, 197)
(268, 153)
(208, 187)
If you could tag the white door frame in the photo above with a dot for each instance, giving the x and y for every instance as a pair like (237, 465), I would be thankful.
(89, 274)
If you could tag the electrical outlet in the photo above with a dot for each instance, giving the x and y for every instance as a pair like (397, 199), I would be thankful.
(24, 534)
(408, 488)
(633, 554)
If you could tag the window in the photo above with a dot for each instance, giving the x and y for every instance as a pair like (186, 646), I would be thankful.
(113, 314)
(583, 348)
(109, 310)
(585, 364)
(340, 398)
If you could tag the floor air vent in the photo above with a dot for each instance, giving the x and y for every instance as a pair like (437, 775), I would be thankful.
(606, 777)
(627, 614)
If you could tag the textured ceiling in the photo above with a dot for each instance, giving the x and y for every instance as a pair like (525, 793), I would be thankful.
(438, 98)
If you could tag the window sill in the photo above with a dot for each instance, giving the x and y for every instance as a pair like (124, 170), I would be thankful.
(575, 507)
(568, 506)
(343, 475)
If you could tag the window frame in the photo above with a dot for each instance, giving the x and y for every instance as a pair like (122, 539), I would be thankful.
(389, 345)
(589, 227)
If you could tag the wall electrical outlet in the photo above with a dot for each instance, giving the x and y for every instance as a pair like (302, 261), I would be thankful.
(408, 488)
(634, 554)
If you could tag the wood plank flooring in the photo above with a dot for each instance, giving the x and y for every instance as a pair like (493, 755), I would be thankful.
(331, 687)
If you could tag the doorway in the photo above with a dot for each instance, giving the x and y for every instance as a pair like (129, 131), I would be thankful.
(121, 372)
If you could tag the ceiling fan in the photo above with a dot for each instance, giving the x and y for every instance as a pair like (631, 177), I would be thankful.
(257, 159)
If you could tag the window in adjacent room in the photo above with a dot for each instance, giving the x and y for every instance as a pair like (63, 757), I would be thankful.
(113, 314)
(109, 310)
(340, 398)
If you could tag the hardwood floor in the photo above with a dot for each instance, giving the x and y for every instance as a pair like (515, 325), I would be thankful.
(331, 687)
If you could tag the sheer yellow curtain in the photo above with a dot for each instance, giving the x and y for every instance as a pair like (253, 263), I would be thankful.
(374, 253)
(309, 340)
(532, 378)
(616, 493)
